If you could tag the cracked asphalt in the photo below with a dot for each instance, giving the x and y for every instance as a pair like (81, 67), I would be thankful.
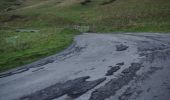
(126, 66)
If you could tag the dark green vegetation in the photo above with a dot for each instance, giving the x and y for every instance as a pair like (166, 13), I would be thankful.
(56, 20)
(7, 3)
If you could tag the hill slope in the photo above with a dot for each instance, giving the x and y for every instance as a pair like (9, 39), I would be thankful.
(127, 15)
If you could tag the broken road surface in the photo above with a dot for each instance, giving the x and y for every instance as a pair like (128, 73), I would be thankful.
(129, 66)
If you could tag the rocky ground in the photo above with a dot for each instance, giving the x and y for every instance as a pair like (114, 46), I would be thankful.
(131, 66)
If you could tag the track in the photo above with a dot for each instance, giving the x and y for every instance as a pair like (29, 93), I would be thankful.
(131, 66)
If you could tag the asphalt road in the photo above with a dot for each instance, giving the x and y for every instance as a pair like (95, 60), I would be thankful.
(127, 66)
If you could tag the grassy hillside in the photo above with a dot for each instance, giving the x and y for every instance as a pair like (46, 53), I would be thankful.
(56, 20)
(119, 15)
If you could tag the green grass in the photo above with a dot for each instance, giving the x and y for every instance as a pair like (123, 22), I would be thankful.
(52, 16)
(25, 47)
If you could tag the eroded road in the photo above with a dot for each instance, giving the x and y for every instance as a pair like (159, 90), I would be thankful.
(96, 67)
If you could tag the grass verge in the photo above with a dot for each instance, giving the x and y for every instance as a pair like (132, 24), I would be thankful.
(20, 48)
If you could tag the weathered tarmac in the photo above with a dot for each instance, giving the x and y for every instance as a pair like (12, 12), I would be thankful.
(127, 66)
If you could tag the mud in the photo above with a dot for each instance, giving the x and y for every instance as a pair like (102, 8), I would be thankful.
(14, 72)
(120, 64)
(74, 88)
(113, 85)
(112, 70)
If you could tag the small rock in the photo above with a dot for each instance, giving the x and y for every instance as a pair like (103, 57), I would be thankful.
(121, 47)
